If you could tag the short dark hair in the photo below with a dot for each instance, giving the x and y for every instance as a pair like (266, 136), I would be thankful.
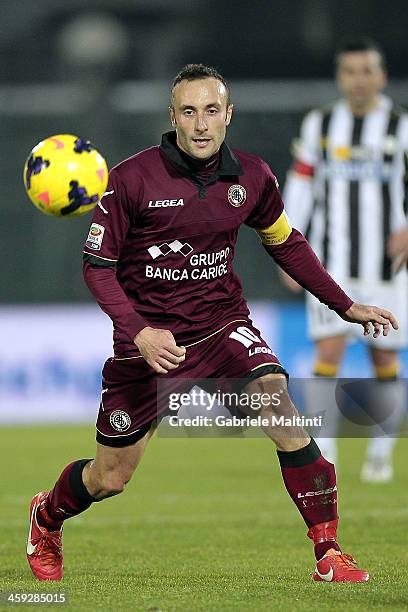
(194, 72)
(359, 43)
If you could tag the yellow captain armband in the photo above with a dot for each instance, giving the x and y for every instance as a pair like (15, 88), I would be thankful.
(277, 233)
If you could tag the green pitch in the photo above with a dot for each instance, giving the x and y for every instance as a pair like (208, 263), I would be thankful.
(205, 525)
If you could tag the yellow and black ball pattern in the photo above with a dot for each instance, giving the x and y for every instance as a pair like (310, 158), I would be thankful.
(65, 176)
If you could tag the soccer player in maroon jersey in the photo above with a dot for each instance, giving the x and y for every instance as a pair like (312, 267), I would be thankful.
(158, 260)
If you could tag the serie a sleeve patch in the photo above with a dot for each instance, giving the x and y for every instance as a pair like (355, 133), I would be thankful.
(278, 232)
(95, 237)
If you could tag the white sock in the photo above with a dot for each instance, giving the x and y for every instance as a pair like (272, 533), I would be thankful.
(391, 394)
(320, 401)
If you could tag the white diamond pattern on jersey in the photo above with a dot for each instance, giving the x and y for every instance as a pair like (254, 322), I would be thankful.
(170, 247)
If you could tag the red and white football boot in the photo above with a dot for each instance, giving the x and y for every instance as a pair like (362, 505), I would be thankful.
(44, 547)
(336, 566)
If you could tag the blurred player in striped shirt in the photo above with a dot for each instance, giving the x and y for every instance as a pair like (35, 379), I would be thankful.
(346, 191)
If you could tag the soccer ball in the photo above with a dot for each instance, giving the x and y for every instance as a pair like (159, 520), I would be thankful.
(65, 176)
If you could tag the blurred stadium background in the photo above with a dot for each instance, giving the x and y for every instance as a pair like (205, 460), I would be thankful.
(102, 71)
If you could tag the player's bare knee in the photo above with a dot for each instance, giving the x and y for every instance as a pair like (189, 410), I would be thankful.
(279, 416)
(267, 394)
(330, 350)
(106, 480)
(113, 486)
(110, 484)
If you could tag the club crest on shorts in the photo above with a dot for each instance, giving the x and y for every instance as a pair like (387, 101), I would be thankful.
(120, 420)
(236, 195)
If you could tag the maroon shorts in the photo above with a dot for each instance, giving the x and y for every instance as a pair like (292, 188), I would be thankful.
(129, 403)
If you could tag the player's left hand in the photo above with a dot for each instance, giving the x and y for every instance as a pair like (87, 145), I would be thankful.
(369, 316)
(398, 248)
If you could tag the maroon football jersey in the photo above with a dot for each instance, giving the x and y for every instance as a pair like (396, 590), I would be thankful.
(170, 238)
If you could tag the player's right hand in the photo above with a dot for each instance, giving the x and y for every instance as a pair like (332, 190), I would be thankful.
(159, 349)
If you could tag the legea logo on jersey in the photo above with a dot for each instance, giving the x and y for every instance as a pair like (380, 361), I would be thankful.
(170, 247)
(165, 203)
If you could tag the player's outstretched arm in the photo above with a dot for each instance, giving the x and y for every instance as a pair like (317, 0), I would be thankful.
(369, 316)
(158, 347)
(288, 281)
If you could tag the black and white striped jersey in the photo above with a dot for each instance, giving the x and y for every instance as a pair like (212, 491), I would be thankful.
(347, 189)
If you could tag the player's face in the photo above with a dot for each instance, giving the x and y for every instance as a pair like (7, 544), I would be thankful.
(200, 114)
(361, 77)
